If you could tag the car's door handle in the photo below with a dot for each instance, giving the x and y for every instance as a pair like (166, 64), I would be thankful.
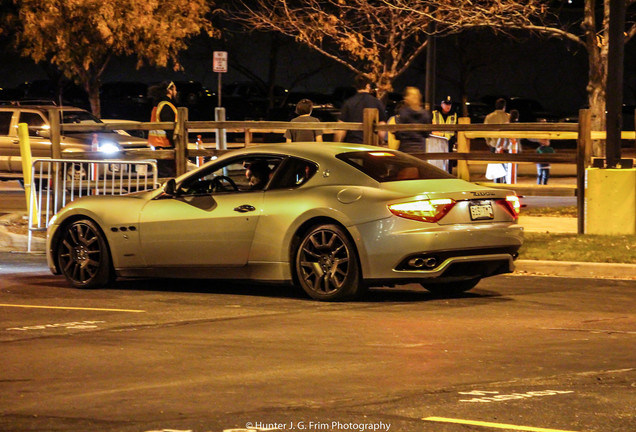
(16, 141)
(245, 208)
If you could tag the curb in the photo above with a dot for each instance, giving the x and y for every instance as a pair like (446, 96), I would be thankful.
(575, 269)
(12, 242)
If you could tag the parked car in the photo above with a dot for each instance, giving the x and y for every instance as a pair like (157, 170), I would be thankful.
(250, 100)
(36, 117)
(331, 218)
(63, 92)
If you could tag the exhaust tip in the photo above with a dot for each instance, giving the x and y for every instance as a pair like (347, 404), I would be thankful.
(430, 262)
(423, 262)
(417, 262)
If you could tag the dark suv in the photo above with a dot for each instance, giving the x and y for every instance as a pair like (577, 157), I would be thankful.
(36, 117)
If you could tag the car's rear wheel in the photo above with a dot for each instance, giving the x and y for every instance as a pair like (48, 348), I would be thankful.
(83, 255)
(327, 265)
(451, 289)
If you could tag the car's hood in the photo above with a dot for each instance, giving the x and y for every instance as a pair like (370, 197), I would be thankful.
(448, 188)
(86, 138)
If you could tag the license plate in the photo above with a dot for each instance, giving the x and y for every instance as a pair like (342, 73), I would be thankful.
(481, 211)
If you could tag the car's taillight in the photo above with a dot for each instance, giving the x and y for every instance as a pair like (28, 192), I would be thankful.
(512, 204)
(423, 210)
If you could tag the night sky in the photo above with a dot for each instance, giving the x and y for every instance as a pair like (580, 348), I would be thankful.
(551, 71)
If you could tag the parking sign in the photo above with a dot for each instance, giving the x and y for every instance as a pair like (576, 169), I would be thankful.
(219, 61)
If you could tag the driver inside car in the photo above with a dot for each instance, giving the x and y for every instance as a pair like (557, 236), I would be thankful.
(257, 174)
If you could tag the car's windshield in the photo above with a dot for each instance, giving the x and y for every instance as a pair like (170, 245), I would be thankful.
(83, 117)
(388, 166)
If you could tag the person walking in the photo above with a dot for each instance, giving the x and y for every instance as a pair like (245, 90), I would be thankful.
(353, 110)
(304, 108)
(447, 115)
(497, 145)
(543, 168)
(514, 147)
(413, 112)
(498, 116)
(392, 142)
(164, 96)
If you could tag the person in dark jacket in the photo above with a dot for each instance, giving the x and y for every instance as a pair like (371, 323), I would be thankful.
(353, 110)
(413, 112)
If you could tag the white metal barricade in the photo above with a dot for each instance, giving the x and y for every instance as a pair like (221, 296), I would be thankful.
(437, 144)
(78, 178)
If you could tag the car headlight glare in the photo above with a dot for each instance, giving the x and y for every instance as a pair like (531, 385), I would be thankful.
(108, 147)
(423, 210)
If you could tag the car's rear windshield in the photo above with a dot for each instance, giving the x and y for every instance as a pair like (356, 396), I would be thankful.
(388, 166)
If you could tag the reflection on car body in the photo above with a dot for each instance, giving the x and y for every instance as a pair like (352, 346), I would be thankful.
(330, 218)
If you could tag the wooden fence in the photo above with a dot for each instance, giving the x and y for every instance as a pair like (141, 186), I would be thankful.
(581, 132)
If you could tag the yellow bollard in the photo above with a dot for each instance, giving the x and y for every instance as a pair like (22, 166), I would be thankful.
(25, 154)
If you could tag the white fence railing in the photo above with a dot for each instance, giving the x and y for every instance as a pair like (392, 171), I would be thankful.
(57, 182)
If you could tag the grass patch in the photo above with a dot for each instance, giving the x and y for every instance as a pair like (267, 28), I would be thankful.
(575, 247)
(566, 211)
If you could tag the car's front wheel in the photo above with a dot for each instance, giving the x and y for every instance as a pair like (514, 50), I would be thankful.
(327, 265)
(83, 256)
(451, 289)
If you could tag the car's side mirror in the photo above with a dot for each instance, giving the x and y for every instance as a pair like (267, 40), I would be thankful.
(170, 187)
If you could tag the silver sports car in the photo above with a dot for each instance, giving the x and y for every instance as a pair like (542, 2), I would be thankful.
(331, 218)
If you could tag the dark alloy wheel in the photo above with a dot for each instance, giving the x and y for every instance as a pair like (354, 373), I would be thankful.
(83, 255)
(451, 289)
(327, 265)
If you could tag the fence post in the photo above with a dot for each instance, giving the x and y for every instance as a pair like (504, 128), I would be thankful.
(369, 121)
(221, 137)
(463, 146)
(583, 148)
(181, 142)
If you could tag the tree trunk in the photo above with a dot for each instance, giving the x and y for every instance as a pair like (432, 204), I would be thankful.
(597, 59)
(92, 88)
(596, 99)
(597, 50)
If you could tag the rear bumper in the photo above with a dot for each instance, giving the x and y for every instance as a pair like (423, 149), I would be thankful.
(460, 252)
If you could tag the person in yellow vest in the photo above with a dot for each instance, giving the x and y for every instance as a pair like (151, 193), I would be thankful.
(446, 115)
(164, 96)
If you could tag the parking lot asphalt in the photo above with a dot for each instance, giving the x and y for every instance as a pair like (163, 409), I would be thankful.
(517, 353)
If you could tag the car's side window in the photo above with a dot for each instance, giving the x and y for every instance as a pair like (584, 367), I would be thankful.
(238, 175)
(34, 120)
(5, 122)
(294, 173)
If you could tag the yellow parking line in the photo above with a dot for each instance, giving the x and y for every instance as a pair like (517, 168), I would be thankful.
(72, 308)
(492, 425)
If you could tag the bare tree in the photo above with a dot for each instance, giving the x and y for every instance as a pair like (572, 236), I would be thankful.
(588, 30)
(368, 37)
(81, 36)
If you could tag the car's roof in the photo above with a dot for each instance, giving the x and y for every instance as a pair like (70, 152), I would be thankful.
(40, 107)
